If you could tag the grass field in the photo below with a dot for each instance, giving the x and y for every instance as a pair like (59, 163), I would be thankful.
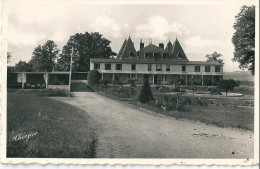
(234, 117)
(43, 128)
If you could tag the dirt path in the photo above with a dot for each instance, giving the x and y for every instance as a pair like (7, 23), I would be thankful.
(125, 132)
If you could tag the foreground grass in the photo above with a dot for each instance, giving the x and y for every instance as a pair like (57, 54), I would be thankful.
(234, 117)
(56, 129)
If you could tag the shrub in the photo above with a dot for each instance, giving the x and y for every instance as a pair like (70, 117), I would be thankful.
(132, 86)
(93, 77)
(103, 83)
(215, 91)
(180, 107)
(146, 93)
(202, 102)
(228, 85)
(187, 100)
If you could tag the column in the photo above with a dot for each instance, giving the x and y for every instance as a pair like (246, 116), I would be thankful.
(191, 79)
(202, 80)
(153, 79)
(130, 76)
(113, 76)
(163, 79)
(136, 76)
(102, 76)
(23, 80)
(186, 79)
(47, 80)
(212, 80)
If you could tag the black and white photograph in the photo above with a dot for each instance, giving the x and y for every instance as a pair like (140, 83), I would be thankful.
(114, 82)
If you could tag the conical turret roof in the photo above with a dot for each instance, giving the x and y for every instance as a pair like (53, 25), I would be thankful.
(177, 51)
(127, 50)
(168, 47)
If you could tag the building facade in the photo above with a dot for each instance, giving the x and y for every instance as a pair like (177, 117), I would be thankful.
(162, 66)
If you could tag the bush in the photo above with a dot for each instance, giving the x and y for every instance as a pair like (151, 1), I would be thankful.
(215, 91)
(202, 102)
(103, 83)
(93, 77)
(187, 100)
(146, 93)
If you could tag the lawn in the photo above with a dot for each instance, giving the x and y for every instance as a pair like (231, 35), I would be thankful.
(221, 116)
(40, 127)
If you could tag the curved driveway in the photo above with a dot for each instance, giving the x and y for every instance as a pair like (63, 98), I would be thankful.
(123, 131)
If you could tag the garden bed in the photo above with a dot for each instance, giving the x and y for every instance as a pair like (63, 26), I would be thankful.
(206, 108)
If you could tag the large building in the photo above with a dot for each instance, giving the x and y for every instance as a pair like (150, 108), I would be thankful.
(160, 65)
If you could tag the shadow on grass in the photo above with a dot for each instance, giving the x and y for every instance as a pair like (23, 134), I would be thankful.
(62, 130)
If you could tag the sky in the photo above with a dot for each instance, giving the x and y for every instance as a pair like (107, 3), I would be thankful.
(200, 28)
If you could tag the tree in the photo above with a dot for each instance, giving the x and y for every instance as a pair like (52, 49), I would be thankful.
(9, 55)
(193, 88)
(85, 46)
(44, 57)
(93, 77)
(214, 57)
(22, 66)
(244, 38)
(146, 93)
(228, 85)
(132, 86)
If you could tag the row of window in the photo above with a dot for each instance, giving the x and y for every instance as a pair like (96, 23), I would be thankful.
(158, 67)
(159, 55)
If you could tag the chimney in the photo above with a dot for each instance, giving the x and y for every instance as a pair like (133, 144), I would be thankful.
(161, 45)
(141, 45)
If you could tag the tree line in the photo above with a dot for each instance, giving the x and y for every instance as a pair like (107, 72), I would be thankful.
(82, 47)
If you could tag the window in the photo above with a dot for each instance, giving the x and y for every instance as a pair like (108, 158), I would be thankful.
(179, 56)
(149, 67)
(118, 66)
(197, 68)
(207, 68)
(183, 68)
(164, 55)
(158, 67)
(168, 68)
(133, 67)
(146, 55)
(107, 66)
(131, 54)
(217, 68)
(155, 55)
(96, 66)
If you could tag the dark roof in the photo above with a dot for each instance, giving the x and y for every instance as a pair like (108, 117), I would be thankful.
(122, 48)
(153, 61)
(126, 48)
(152, 48)
(177, 50)
(168, 47)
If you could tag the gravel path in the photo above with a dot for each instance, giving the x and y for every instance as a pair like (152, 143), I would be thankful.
(126, 132)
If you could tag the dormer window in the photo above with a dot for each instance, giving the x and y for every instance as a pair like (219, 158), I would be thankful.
(147, 55)
(164, 55)
(131, 54)
(155, 55)
(178, 56)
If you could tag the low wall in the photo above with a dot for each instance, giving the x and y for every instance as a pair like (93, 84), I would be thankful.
(60, 87)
